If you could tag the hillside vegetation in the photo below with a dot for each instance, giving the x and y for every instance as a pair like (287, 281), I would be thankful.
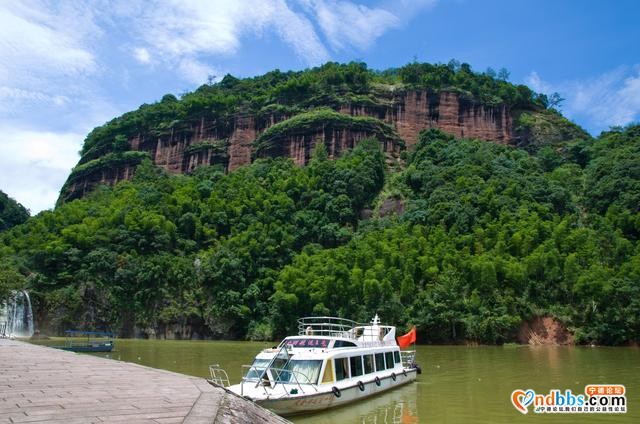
(304, 100)
(290, 93)
(12, 213)
(490, 236)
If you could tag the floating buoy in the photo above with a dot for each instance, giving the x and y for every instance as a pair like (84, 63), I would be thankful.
(361, 386)
(336, 391)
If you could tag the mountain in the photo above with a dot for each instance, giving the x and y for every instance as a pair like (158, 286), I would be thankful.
(470, 239)
(11, 212)
(232, 122)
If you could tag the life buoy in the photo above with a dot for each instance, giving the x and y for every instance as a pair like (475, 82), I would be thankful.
(361, 386)
(393, 376)
(377, 381)
(404, 372)
(336, 391)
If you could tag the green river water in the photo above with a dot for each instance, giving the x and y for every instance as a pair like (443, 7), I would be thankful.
(458, 383)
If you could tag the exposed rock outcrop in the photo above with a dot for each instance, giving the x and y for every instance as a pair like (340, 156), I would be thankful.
(413, 111)
(544, 330)
(197, 141)
(83, 185)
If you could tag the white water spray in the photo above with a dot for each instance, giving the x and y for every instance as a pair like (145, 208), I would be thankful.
(16, 316)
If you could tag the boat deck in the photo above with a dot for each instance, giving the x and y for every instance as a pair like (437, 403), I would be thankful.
(40, 384)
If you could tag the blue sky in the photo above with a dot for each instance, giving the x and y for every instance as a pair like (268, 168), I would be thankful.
(67, 66)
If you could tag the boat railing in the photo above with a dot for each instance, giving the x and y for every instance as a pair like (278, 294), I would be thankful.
(266, 376)
(374, 342)
(327, 326)
(368, 335)
(218, 375)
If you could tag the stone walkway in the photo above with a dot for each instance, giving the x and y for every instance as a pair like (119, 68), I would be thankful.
(41, 384)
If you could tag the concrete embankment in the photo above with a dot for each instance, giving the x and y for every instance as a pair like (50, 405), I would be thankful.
(41, 384)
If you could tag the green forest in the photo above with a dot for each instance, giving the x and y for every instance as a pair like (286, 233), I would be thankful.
(466, 239)
(489, 236)
(12, 213)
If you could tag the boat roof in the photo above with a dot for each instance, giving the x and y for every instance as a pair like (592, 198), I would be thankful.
(314, 331)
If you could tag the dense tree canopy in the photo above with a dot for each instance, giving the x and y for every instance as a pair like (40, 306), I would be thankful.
(201, 249)
(11, 212)
(489, 236)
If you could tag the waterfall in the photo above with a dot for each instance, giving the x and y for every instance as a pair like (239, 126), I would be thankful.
(16, 318)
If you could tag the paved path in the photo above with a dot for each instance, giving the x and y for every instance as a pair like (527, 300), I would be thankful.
(41, 384)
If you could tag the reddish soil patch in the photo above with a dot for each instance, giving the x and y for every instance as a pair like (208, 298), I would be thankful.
(544, 331)
(391, 206)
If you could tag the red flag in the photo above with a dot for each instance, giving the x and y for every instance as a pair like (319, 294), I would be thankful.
(408, 339)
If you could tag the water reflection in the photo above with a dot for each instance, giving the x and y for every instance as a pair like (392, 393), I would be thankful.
(399, 406)
(458, 383)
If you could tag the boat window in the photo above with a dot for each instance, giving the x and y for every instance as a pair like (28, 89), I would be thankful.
(300, 371)
(356, 365)
(396, 356)
(328, 372)
(343, 343)
(389, 357)
(279, 362)
(342, 368)
(379, 361)
(256, 369)
(368, 364)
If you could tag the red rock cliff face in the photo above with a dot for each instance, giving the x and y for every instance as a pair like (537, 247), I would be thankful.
(111, 176)
(415, 111)
(240, 142)
(300, 147)
(408, 113)
(200, 142)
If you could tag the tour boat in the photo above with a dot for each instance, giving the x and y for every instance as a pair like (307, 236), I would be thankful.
(332, 361)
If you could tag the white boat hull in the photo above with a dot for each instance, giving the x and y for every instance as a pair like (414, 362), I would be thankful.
(301, 403)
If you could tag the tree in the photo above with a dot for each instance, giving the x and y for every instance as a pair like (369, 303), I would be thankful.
(503, 74)
(554, 101)
(10, 280)
(12, 213)
(120, 144)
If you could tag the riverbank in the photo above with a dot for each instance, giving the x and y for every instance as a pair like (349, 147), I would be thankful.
(41, 384)
(459, 383)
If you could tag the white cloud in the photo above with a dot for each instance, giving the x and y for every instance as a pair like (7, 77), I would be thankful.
(142, 55)
(534, 81)
(195, 71)
(45, 56)
(192, 32)
(35, 164)
(612, 98)
(35, 34)
(10, 97)
(346, 24)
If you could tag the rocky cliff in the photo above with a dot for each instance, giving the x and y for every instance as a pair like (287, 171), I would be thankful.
(236, 121)
(396, 123)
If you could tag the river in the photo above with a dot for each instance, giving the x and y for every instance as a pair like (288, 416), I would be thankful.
(458, 383)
